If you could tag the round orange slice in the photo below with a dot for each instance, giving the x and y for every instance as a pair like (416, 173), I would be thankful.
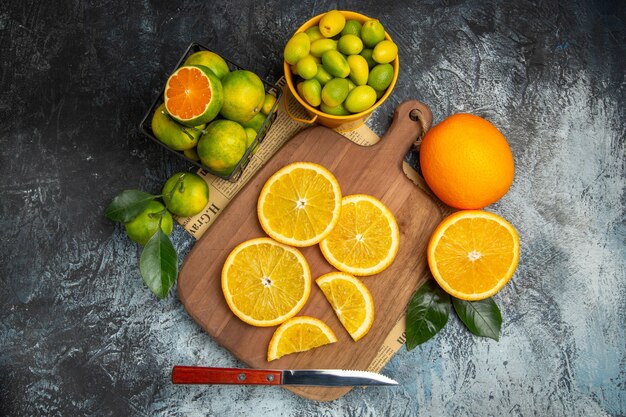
(366, 238)
(473, 253)
(193, 95)
(265, 282)
(300, 204)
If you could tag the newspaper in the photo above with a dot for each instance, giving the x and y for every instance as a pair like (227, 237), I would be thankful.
(221, 192)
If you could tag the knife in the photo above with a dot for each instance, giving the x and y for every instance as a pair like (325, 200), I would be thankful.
(241, 376)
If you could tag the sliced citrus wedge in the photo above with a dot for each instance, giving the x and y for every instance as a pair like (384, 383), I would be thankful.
(366, 238)
(299, 334)
(265, 282)
(351, 300)
(300, 204)
(193, 95)
(473, 253)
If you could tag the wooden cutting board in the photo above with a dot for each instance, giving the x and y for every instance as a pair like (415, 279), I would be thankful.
(375, 170)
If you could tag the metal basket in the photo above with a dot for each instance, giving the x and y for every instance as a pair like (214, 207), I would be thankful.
(146, 122)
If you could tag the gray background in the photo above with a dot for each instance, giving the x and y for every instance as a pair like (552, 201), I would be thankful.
(81, 335)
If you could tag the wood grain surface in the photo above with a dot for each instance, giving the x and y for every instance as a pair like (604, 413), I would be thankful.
(375, 170)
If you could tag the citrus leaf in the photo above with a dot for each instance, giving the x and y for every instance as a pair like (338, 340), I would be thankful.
(127, 205)
(158, 264)
(427, 313)
(482, 317)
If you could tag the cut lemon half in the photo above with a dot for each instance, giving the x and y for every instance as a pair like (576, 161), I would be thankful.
(366, 238)
(300, 204)
(299, 334)
(351, 300)
(473, 253)
(265, 282)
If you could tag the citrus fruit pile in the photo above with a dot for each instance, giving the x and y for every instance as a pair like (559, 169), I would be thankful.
(147, 220)
(210, 113)
(468, 164)
(343, 66)
(184, 194)
(266, 281)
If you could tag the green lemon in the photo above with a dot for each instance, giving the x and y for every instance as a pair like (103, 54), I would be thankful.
(173, 134)
(244, 95)
(222, 145)
(297, 48)
(335, 92)
(352, 27)
(336, 64)
(314, 33)
(351, 85)
(372, 32)
(350, 45)
(185, 194)
(268, 103)
(379, 93)
(385, 52)
(307, 67)
(250, 136)
(250, 140)
(311, 91)
(360, 99)
(332, 23)
(320, 46)
(367, 54)
(380, 77)
(359, 71)
(191, 154)
(145, 225)
(322, 76)
(339, 110)
(256, 122)
(299, 88)
(211, 60)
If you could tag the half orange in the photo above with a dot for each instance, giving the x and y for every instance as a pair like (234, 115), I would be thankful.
(193, 95)
(473, 253)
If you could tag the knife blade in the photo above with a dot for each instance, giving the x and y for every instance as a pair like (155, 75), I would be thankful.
(311, 377)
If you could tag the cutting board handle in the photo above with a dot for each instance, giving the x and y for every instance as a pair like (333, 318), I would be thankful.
(411, 120)
(417, 112)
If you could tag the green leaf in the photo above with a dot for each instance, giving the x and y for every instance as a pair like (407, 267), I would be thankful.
(127, 205)
(159, 264)
(482, 317)
(427, 313)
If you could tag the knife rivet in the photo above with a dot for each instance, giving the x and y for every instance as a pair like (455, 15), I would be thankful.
(241, 377)
(270, 378)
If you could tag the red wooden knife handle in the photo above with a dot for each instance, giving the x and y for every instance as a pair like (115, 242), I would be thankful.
(203, 375)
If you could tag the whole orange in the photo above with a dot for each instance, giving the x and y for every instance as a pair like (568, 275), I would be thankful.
(466, 162)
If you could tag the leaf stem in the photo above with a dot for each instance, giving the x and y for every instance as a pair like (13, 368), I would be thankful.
(179, 183)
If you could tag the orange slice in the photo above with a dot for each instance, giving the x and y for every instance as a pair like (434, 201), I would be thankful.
(366, 238)
(299, 334)
(300, 204)
(265, 282)
(472, 254)
(351, 301)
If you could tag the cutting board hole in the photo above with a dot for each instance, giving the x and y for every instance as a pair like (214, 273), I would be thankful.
(415, 115)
